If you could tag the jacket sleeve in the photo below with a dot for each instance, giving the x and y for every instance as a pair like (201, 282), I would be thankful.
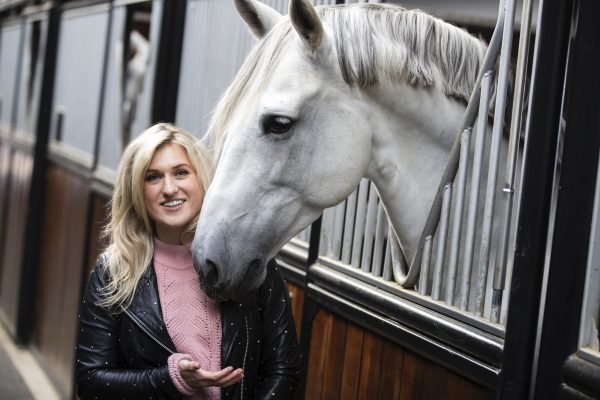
(278, 375)
(99, 368)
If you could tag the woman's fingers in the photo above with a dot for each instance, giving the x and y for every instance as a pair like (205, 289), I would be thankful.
(231, 379)
(197, 377)
(188, 365)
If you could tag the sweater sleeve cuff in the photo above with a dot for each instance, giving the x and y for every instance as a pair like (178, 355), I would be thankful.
(180, 384)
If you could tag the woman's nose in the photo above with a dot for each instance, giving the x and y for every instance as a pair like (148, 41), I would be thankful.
(169, 186)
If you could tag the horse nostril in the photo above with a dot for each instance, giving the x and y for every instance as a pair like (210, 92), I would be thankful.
(211, 275)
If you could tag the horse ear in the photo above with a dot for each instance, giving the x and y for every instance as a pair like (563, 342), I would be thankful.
(259, 17)
(306, 22)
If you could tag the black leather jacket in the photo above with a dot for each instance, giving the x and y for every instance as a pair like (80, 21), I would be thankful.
(124, 355)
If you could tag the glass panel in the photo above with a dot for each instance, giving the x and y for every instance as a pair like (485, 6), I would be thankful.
(589, 336)
(10, 50)
(79, 77)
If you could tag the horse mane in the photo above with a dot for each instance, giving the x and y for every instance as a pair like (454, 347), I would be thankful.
(376, 43)
(381, 42)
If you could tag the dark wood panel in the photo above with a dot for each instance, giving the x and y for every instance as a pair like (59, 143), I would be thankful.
(392, 360)
(96, 243)
(4, 180)
(460, 388)
(17, 198)
(297, 298)
(352, 362)
(412, 377)
(60, 270)
(318, 345)
(334, 356)
(370, 367)
(349, 362)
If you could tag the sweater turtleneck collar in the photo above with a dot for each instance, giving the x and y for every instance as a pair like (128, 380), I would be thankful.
(172, 255)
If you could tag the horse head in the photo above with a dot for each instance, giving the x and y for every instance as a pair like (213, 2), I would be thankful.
(293, 132)
(328, 96)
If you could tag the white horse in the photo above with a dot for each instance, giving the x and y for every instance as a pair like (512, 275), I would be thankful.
(329, 95)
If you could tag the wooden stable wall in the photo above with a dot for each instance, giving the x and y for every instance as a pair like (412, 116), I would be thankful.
(64, 247)
(348, 362)
(16, 199)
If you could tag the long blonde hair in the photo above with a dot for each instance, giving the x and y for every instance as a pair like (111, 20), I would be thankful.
(129, 230)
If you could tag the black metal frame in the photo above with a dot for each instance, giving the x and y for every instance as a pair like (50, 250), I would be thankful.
(168, 66)
(540, 346)
(29, 273)
(559, 326)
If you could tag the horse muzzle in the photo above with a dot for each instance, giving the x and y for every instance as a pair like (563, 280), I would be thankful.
(223, 280)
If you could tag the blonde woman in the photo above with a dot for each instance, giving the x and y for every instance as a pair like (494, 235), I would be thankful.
(146, 328)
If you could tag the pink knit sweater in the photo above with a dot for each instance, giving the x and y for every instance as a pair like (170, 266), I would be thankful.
(193, 320)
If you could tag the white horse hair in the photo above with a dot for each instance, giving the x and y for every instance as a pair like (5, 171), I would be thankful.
(329, 95)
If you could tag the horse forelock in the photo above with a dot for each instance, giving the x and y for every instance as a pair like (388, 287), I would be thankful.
(375, 43)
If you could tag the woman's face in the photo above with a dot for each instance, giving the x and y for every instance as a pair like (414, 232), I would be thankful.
(172, 194)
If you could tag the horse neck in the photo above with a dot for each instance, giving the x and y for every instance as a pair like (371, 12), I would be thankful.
(413, 132)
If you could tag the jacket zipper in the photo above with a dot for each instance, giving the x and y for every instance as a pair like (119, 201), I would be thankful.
(245, 355)
(147, 331)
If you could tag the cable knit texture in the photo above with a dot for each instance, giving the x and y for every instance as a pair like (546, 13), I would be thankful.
(193, 320)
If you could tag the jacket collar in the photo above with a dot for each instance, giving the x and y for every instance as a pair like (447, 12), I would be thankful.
(147, 311)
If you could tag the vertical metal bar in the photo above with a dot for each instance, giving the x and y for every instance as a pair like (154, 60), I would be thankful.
(327, 231)
(480, 132)
(359, 226)
(349, 227)
(484, 258)
(503, 72)
(441, 245)
(513, 149)
(379, 238)
(387, 261)
(425, 263)
(338, 230)
(461, 178)
(367, 254)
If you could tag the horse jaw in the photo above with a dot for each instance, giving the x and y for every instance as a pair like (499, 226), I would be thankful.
(414, 129)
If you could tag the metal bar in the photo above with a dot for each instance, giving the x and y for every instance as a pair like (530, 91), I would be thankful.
(379, 238)
(498, 128)
(441, 245)
(480, 132)
(387, 261)
(425, 263)
(459, 200)
(367, 254)
(338, 230)
(327, 231)
(359, 226)
(513, 149)
(349, 227)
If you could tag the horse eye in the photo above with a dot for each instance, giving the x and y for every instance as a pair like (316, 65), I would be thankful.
(276, 124)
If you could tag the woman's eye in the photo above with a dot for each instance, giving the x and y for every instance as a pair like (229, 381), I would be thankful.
(182, 172)
(276, 124)
(152, 178)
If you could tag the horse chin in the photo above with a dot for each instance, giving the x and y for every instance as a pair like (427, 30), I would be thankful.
(236, 290)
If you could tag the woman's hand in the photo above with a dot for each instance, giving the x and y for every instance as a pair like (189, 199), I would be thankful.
(197, 378)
